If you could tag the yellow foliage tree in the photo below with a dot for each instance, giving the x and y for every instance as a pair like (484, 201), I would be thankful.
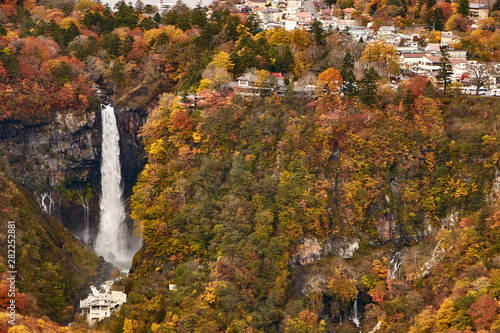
(300, 38)
(278, 35)
(445, 316)
(331, 79)
(174, 34)
(83, 5)
(341, 289)
(435, 37)
(66, 23)
(381, 268)
(128, 326)
(223, 59)
(486, 23)
(379, 51)
(424, 322)
(204, 84)
(18, 329)
(262, 77)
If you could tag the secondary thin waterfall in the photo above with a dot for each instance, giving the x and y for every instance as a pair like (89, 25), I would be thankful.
(112, 239)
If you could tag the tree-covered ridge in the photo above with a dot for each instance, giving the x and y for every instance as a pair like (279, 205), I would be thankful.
(232, 187)
(55, 269)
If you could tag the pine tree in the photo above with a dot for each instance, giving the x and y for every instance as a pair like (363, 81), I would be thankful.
(349, 85)
(348, 61)
(317, 30)
(445, 72)
(463, 8)
(253, 23)
(368, 86)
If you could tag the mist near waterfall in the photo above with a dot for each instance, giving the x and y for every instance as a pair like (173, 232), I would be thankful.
(115, 241)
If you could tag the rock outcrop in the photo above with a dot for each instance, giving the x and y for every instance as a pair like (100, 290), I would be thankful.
(59, 162)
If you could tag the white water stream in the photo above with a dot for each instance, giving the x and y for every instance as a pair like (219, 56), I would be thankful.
(114, 241)
(355, 315)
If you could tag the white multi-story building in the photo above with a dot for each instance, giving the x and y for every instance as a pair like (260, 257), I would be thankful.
(383, 31)
(102, 303)
(269, 14)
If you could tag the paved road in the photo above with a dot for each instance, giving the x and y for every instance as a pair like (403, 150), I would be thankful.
(309, 7)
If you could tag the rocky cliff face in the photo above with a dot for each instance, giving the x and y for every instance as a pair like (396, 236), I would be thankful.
(46, 155)
(59, 162)
(132, 160)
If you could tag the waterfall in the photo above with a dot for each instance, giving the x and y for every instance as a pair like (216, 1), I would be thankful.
(394, 264)
(355, 315)
(46, 202)
(82, 198)
(113, 239)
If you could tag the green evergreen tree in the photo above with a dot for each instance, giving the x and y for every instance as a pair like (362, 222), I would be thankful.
(463, 8)
(445, 72)
(126, 16)
(139, 7)
(349, 80)
(317, 30)
(199, 16)
(349, 84)
(253, 23)
(62, 73)
(348, 61)
(434, 19)
(9, 61)
(368, 86)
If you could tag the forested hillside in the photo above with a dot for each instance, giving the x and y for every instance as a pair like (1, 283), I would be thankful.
(231, 189)
(55, 269)
(276, 212)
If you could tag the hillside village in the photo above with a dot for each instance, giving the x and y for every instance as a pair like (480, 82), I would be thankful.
(418, 50)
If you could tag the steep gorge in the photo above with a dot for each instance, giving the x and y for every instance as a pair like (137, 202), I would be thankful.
(59, 162)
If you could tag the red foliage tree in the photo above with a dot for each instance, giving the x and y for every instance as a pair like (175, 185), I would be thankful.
(416, 85)
(484, 312)
(3, 72)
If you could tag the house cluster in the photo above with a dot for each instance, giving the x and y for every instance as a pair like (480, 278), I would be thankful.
(414, 59)
(295, 14)
(426, 61)
(102, 303)
(251, 85)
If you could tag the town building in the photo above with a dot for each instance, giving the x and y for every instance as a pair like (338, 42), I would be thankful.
(269, 14)
(408, 60)
(478, 11)
(447, 38)
(348, 12)
(102, 303)
(384, 31)
(458, 54)
(294, 4)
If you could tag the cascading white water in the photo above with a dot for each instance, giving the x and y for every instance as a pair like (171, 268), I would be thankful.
(82, 198)
(355, 315)
(46, 202)
(112, 239)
